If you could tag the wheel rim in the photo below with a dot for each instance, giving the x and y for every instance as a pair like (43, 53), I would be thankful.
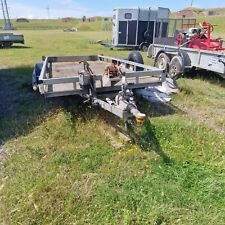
(173, 71)
(145, 48)
(162, 63)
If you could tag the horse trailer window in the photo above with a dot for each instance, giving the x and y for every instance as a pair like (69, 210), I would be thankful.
(128, 16)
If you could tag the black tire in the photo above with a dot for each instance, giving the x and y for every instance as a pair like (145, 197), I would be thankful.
(36, 73)
(136, 57)
(144, 46)
(162, 62)
(176, 67)
(7, 45)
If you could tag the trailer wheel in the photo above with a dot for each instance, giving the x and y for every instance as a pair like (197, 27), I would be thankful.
(137, 58)
(176, 67)
(144, 46)
(35, 75)
(162, 62)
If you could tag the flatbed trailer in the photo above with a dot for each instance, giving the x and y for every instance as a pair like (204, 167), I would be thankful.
(84, 76)
(8, 39)
(176, 60)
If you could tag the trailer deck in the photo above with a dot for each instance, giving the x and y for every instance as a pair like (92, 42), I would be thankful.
(60, 75)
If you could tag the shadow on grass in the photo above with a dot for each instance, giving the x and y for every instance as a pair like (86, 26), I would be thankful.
(156, 109)
(146, 139)
(211, 77)
(77, 109)
(17, 47)
(21, 109)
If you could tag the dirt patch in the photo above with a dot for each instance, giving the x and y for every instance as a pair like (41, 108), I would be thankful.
(3, 154)
(206, 119)
(116, 138)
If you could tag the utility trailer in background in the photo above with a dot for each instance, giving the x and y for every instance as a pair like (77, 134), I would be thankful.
(85, 76)
(8, 39)
(177, 60)
(191, 48)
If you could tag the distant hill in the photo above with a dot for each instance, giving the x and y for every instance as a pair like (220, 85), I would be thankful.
(199, 12)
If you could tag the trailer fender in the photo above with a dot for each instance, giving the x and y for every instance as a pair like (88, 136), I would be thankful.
(36, 73)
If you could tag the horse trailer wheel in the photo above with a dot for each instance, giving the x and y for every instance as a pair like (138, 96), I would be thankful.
(144, 46)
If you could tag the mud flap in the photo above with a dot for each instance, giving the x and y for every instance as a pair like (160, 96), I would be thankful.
(171, 85)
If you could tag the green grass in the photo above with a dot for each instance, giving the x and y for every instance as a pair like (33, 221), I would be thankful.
(57, 24)
(64, 169)
(40, 43)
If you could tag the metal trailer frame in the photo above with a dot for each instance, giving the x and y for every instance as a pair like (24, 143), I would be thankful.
(191, 58)
(124, 107)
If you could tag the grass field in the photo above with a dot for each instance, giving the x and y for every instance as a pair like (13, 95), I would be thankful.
(64, 162)
(54, 24)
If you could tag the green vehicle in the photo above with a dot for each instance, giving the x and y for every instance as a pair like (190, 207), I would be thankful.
(8, 39)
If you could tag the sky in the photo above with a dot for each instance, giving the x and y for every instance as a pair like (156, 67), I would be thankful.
(78, 8)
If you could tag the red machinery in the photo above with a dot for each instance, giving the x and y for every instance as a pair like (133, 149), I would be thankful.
(200, 38)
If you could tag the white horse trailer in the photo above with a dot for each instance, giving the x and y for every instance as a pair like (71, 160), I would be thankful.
(136, 28)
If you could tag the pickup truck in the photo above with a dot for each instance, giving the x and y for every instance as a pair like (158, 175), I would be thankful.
(8, 39)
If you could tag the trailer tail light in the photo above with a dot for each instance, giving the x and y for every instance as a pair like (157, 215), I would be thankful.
(140, 119)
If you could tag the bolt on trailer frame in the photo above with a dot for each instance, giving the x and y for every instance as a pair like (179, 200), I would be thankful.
(64, 76)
